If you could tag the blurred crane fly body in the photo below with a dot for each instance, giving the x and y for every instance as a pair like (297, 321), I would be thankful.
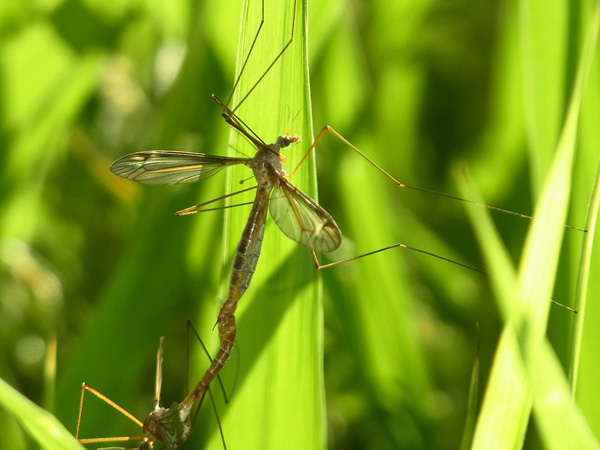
(164, 428)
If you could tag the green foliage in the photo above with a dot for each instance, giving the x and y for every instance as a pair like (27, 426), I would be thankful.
(526, 371)
(102, 264)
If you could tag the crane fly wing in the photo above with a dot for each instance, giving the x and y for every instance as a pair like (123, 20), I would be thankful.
(302, 219)
(170, 167)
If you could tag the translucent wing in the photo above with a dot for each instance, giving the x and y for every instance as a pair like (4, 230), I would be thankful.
(166, 167)
(302, 220)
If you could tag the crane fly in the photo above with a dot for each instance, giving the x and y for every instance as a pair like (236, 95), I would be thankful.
(297, 215)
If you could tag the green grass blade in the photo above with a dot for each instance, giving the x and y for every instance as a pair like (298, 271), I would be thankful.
(561, 423)
(543, 29)
(471, 420)
(585, 367)
(588, 243)
(539, 380)
(280, 381)
(586, 263)
(504, 415)
(40, 424)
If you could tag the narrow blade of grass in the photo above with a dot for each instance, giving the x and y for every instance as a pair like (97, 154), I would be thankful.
(40, 424)
(280, 384)
(525, 364)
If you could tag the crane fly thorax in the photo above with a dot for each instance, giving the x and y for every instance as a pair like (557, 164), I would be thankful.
(268, 159)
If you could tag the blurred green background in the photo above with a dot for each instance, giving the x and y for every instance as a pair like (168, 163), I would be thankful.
(103, 266)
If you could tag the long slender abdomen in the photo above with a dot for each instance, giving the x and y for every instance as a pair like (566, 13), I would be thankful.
(244, 265)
